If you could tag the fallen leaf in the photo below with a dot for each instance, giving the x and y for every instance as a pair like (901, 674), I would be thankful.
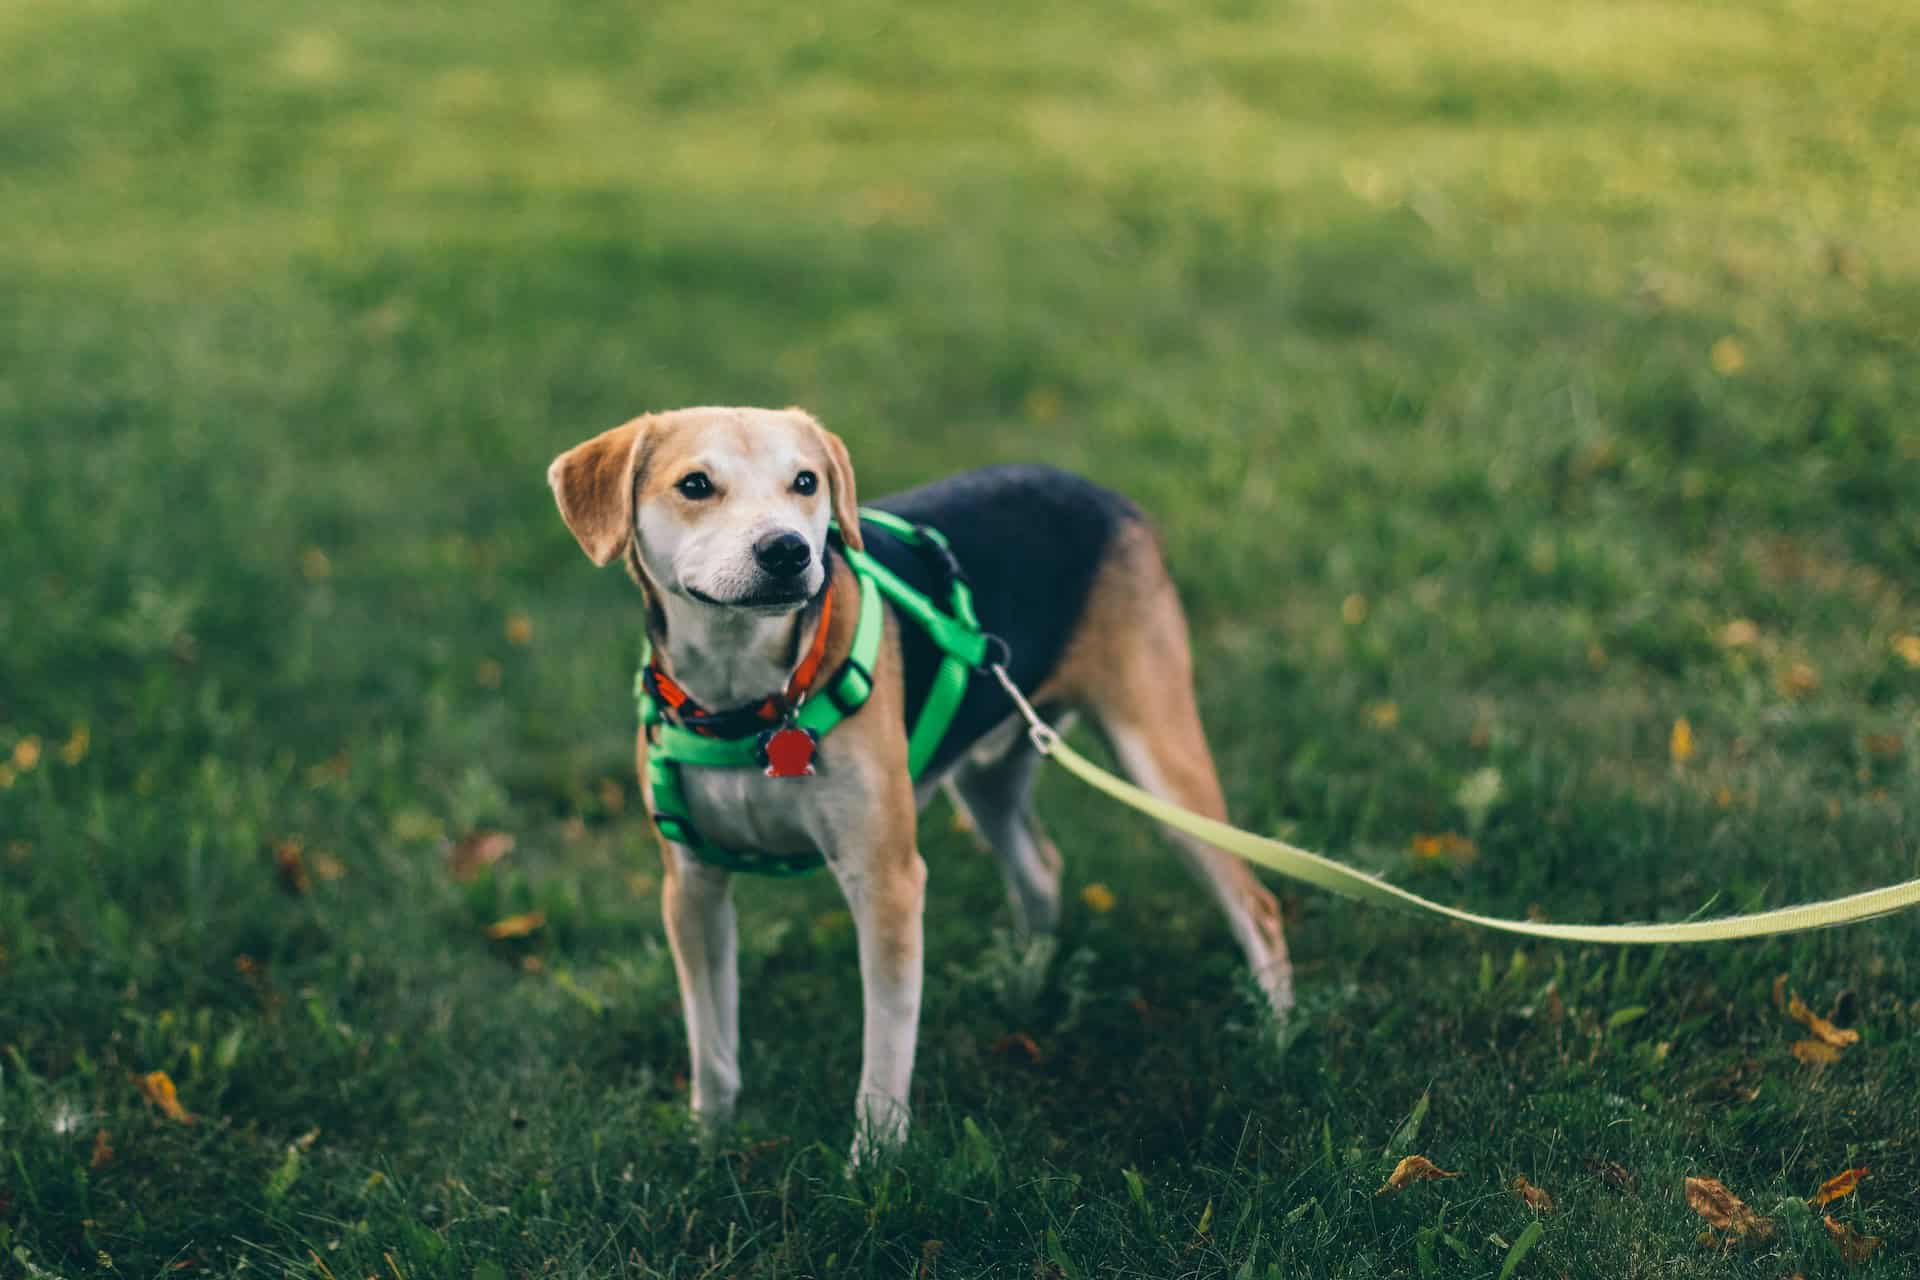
(315, 565)
(1680, 741)
(26, 754)
(1410, 1170)
(1353, 610)
(613, 796)
(1815, 1053)
(519, 629)
(102, 1150)
(1616, 1177)
(517, 926)
(1799, 680)
(1728, 357)
(1452, 846)
(1854, 1248)
(1780, 993)
(1537, 1199)
(1841, 1184)
(1098, 897)
(291, 863)
(1881, 744)
(75, 749)
(328, 867)
(1383, 715)
(1740, 634)
(471, 854)
(1908, 649)
(1016, 1040)
(158, 1088)
(1720, 1207)
(1838, 1037)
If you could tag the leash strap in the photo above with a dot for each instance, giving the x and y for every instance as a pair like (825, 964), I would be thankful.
(1324, 873)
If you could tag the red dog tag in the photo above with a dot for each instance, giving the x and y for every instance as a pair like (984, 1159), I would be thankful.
(788, 752)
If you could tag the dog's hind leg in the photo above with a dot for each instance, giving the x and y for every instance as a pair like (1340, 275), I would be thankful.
(1132, 669)
(996, 794)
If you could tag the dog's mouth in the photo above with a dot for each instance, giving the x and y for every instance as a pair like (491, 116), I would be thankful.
(759, 601)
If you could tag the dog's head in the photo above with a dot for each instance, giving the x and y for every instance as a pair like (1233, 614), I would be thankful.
(727, 507)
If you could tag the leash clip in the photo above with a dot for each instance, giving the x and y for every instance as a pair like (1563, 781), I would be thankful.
(1042, 734)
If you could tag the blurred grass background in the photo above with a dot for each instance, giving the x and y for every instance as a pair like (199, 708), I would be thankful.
(1509, 383)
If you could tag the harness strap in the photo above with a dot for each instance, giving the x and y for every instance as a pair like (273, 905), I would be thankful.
(957, 634)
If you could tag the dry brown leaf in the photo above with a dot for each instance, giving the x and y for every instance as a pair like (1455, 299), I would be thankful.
(158, 1088)
(1854, 1248)
(1841, 1184)
(1838, 1037)
(102, 1150)
(1017, 1040)
(1815, 1053)
(1719, 1206)
(472, 853)
(291, 863)
(517, 926)
(1410, 1170)
(1616, 1177)
(1537, 1199)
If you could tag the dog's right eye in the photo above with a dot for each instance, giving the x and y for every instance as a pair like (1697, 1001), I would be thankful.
(695, 485)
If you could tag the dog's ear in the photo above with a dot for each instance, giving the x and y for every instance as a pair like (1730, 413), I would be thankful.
(593, 483)
(846, 504)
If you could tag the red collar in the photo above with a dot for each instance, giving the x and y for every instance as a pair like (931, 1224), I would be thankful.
(775, 708)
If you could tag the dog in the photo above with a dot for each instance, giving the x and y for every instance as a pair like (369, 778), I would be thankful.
(722, 518)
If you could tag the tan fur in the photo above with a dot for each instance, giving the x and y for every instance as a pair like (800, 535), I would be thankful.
(1128, 664)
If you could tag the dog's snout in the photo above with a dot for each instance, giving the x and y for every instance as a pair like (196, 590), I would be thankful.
(784, 555)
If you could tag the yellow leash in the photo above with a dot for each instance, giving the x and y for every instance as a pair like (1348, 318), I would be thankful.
(1298, 864)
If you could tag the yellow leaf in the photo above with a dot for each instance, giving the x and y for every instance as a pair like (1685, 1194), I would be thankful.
(519, 629)
(1740, 634)
(158, 1088)
(1537, 1199)
(1728, 357)
(6, 777)
(1383, 715)
(1841, 1184)
(1838, 1037)
(1410, 1170)
(26, 754)
(1353, 610)
(1854, 1248)
(1680, 741)
(75, 749)
(1098, 898)
(315, 565)
(517, 926)
(1719, 1206)
(328, 867)
(1451, 845)
(1815, 1053)
(1908, 648)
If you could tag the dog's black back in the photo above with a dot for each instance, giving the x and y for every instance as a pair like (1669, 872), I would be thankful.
(1031, 539)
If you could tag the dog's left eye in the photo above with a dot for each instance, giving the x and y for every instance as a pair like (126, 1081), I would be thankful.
(806, 482)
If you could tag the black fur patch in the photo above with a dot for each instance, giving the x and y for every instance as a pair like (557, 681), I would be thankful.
(1031, 539)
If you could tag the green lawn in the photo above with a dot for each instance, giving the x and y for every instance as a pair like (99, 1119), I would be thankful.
(1509, 383)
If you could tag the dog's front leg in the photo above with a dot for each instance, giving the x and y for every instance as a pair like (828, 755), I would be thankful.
(885, 886)
(697, 902)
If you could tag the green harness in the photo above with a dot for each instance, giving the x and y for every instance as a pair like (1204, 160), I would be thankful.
(956, 632)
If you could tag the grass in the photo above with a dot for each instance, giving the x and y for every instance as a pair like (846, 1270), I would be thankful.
(1482, 366)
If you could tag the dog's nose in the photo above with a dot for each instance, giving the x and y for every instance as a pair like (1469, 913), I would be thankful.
(784, 555)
